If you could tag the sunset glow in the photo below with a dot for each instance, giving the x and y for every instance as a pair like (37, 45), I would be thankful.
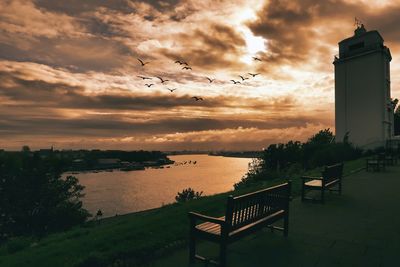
(70, 73)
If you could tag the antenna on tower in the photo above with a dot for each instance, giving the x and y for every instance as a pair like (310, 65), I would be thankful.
(357, 22)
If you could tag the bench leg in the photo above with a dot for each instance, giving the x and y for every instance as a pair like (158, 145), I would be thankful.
(192, 248)
(222, 254)
(322, 195)
(340, 187)
(302, 192)
(286, 224)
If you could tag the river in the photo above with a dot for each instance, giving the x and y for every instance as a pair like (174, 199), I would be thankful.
(120, 192)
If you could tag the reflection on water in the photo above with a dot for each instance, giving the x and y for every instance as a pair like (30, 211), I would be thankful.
(120, 192)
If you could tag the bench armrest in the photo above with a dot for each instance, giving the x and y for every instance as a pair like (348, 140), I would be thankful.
(311, 178)
(198, 216)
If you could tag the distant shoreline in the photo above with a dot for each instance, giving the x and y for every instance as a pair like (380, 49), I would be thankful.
(246, 154)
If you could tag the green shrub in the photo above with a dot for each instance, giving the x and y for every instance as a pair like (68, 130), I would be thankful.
(187, 195)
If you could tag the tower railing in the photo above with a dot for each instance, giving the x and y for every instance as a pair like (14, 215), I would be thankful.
(376, 47)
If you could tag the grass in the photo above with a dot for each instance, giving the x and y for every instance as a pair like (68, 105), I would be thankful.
(128, 240)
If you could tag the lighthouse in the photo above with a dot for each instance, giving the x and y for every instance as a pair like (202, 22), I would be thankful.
(363, 109)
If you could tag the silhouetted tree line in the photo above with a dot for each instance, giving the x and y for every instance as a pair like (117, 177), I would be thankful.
(91, 157)
(34, 198)
(294, 157)
(136, 156)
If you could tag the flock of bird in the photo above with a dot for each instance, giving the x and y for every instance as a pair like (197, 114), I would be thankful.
(186, 67)
(185, 162)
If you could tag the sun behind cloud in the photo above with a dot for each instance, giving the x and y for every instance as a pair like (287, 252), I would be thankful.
(70, 75)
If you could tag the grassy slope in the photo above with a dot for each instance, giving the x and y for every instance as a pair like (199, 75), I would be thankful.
(125, 240)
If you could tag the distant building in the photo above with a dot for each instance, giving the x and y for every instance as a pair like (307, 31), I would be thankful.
(363, 108)
(109, 163)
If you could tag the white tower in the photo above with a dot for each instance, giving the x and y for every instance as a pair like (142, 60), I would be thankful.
(362, 90)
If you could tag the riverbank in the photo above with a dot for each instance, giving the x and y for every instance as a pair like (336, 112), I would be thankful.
(236, 154)
(124, 166)
(130, 240)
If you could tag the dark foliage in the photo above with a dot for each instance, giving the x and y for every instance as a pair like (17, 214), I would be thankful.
(294, 157)
(187, 194)
(34, 198)
(397, 121)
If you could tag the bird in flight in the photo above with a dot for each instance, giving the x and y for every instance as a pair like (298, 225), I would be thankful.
(171, 90)
(162, 80)
(235, 82)
(182, 62)
(210, 80)
(142, 63)
(243, 78)
(148, 85)
(253, 74)
(187, 68)
(197, 98)
(144, 78)
(256, 59)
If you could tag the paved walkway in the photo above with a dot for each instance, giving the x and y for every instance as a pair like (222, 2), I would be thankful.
(359, 228)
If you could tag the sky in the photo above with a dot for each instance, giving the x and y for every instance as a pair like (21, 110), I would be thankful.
(69, 71)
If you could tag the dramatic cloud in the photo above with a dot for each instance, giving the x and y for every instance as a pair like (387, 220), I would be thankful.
(69, 72)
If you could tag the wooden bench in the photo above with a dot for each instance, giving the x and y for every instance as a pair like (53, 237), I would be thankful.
(330, 177)
(244, 215)
(376, 163)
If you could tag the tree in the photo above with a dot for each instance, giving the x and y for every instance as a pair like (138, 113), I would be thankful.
(396, 117)
(26, 149)
(323, 137)
(34, 198)
(283, 160)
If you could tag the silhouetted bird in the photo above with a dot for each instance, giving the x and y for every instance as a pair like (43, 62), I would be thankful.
(187, 68)
(148, 85)
(256, 59)
(142, 63)
(235, 82)
(197, 98)
(144, 78)
(243, 78)
(253, 74)
(182, 62)
(162, 80)
(210, 80)
(171, 90)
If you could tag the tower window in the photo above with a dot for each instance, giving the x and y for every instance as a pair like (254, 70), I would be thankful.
(356, 46)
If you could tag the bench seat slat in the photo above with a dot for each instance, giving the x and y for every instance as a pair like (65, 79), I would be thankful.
(314, 183)
(209, 227)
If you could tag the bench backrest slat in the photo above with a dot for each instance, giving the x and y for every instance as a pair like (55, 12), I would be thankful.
(245, 209)
(333, 172)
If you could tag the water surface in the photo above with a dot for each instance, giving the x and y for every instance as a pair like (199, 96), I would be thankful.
(121, 192)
